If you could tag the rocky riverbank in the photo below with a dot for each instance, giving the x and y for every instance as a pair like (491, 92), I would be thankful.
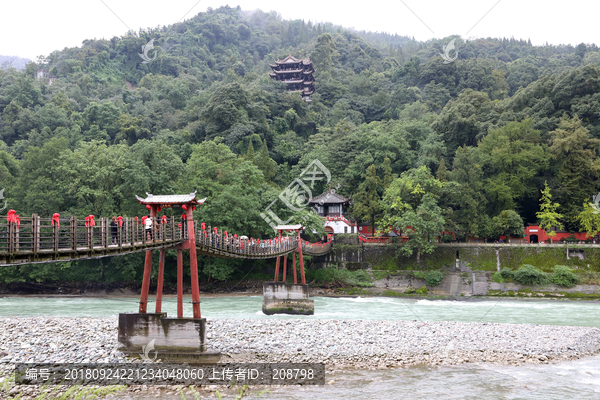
(340, 344)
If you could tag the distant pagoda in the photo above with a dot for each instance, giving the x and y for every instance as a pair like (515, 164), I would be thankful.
(297, 74)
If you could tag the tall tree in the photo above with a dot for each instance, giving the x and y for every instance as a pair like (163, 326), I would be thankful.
(265, 163)
(387, 172)
(250, 152)
(589, 219)
(578, 160)
(322, 54)
(549, 218)
(508, 223)
(366, 200)
(412, 204)
(516, 155)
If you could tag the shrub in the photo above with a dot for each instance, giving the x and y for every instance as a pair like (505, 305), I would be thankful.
(432, 278)
(341, 277)
(497, 277)
(564, 276)
(502, 275)
(421, 290)
(571, 238)
(529, 275)
(505, 273)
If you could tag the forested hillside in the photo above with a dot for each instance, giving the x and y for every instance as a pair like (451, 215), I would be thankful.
(465, 146)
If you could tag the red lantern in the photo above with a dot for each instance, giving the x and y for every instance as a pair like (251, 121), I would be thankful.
(193, 208)
(148, 206)
(56, 219)
(159, 209)
(144, 218)
(184, 207)
(203, 226)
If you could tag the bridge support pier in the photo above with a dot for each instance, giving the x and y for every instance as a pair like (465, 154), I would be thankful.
(285, 298)
(159, 285)
(146, 282)
(169, 339)
(153, 335)
(277, 269)
(294, 268)
(179, 283)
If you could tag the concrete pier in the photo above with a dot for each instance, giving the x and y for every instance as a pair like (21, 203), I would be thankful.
(285, 298)
(153, 336)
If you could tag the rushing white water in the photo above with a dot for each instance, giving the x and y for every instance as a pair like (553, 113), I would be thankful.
(544, 312)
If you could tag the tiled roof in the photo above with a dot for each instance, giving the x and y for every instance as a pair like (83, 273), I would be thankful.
(329, 197)
(171, 199)
(293, 60)
(291, 71)
(288, 227)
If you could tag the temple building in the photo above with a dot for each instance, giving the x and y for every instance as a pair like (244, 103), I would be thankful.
(330, 206)
(297, 74)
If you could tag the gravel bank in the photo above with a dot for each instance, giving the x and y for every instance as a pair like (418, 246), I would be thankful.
(340, 344)
(344, 343)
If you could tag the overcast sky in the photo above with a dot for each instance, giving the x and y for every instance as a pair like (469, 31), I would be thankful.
(30, 29)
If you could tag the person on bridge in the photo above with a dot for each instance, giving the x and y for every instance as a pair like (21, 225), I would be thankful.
(113, 230)
(183, 225)
(148, 223)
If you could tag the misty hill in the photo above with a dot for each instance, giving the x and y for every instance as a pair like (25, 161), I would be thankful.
(15, 62)
(495, 124)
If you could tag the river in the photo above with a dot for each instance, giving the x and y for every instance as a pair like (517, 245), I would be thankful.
(568, 380)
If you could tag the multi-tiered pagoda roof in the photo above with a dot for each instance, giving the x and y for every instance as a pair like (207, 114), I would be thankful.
(297, 75)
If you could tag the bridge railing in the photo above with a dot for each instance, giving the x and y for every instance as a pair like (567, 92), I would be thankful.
(35, 234)
(317, 248)
(231, 244)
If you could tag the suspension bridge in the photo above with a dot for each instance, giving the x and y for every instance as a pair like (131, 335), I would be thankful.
(43, 240)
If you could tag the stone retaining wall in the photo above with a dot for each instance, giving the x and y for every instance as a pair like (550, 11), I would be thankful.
(492, 258)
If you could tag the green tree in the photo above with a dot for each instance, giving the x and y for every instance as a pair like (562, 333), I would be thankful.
(412, 204)
(578, 160)
(471, 207)
(265, 163)
(442, 171)
(508, 223)
(549, 218)
(589, 219)
(322, 54)
(516, 155)
(387, 172)
(250, 152)
(366, 200)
